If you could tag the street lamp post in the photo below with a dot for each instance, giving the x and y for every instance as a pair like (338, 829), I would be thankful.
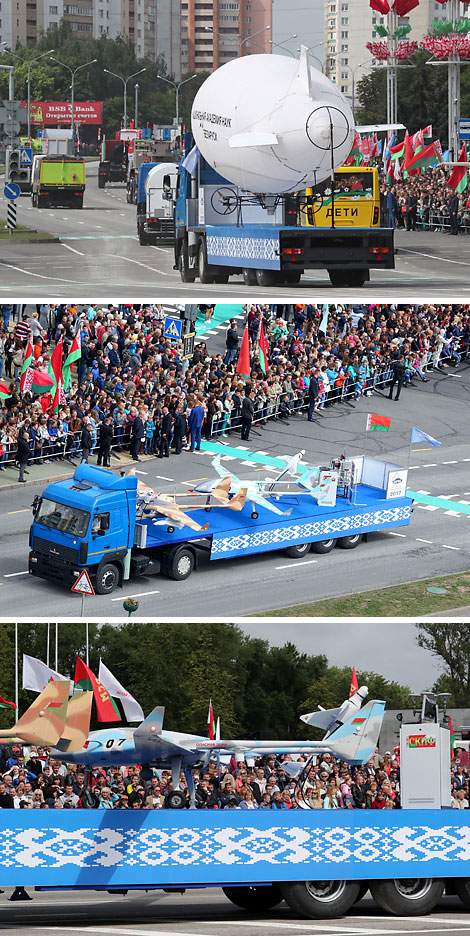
(177, 86)
(29, 63)
(136, 104)
(353, 73)
(73, 72)
(124, 82)
(250, 38)
(281, 45)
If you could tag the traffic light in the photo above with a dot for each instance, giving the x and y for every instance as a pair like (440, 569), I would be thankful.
(13, 165)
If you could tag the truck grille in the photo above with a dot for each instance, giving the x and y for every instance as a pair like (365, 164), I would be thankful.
(54, 550)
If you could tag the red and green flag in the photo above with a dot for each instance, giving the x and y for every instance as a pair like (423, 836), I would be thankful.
(4, 391)
(106, 708)
(5, 704)
(55, 371)
(354, 683)
(429, 156)
(382, 423)
(28, 357)
(263, 350)
(74, 354)
(243, 366)
(36, 381)
(458, 179)
(452, 737)
(211, 722)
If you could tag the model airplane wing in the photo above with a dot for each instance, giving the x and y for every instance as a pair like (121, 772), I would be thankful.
(354, 742)
(77, 725)
(44, 722)
(262, 501)
(222, 473)
(169, 510)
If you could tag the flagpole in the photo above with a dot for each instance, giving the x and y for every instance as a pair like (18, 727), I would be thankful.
(57, 648)
(86, 631)
(16, 668)
(48, 643)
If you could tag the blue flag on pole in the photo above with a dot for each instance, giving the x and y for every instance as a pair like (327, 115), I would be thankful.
(417, 435)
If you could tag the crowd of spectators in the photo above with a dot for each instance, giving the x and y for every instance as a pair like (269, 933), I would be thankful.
(132, 389)
(425, 202)
(29, 779)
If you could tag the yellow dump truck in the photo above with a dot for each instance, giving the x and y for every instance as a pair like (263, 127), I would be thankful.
(57, 180)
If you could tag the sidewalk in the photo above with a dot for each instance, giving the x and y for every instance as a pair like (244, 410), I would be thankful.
(57, 470)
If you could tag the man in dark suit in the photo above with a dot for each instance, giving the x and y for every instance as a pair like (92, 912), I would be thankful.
(248, 411)
(165, 433)
(180, 429)
(313, 391)
(22, 455)
(86, 441)
(137, 434)
(105, 440)
(453, 206)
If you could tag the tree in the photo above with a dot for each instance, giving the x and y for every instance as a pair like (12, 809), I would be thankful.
(450, 643)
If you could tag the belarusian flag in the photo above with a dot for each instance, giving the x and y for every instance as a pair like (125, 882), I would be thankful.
(106, 709)
(210, 722)
(5, 704)
(55, 371)
(4, 391)
(396, 152)
(36, 381)
(389, 171)
(354, 683)
(262, 350)
(429, 156)
(382, 423)
(74, 354)
(452, 737)
(243, 366)
(427, 132)
(28, 357)
(458, 180)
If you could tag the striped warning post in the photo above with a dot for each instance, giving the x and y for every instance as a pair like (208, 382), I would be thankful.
(11, 216)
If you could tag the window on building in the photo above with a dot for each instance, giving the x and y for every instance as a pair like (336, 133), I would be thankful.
(344, 20)
(344, 61)
(53, 10)
(344, 34)
(344, 48)
(344, 88)
(344, 75)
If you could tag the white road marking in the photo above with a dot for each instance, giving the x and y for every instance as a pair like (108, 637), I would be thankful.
(297, 565)
(450, 547)
(162, 478)
(455, 462)
(12, 574)
(430, 465)
(419, 253)
(139, 595)
(429, 542)
(145, 266)
(141, 472)
(80, 254)
(391, 533)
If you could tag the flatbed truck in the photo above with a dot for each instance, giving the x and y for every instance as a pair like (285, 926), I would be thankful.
(221, 230)
(93, 521)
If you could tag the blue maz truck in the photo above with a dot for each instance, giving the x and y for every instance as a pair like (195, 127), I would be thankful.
(221, 231)
(94, 521)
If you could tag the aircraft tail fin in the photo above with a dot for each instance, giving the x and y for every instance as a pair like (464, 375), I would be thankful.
(356, 740)
(238, 501)
(151, 726)
(320, 719)
(44, 720)
(77, 725)
(222, 490)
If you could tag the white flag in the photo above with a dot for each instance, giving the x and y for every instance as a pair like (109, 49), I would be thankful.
(132, 709)
(36, 675)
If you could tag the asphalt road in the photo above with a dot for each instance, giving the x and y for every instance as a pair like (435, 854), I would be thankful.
(207, 913)
(435, 543)
(99, 251)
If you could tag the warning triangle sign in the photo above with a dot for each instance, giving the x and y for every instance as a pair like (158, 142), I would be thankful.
(173, 331)
(83, 585)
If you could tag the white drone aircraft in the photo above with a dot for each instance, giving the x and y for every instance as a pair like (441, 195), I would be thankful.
(255, 490)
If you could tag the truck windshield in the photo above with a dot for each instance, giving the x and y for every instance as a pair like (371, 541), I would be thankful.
(57, 516)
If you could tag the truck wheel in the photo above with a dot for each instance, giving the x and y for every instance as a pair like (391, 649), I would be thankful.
(338, 277)
(101, 181)
(107, 578)
(407, 896)
(323, 546)
(249, 277)
(181, 565)
(461, 886)
(203, 266)
(266, 277)
(296, 552)
(356, 277)
(79, 202)
(292, 278)
(363, 888)
(350, 542)
(322, 899)
(175, 800)
(256, 899)
(186, 274)
(144, 239)
(220, 278)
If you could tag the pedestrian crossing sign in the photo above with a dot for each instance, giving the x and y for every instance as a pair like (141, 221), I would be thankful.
(26, 156)
(172, 328)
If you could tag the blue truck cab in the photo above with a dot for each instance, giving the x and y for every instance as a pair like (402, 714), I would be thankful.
(87, 521)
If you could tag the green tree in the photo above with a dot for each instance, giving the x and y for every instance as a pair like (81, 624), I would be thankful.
(450, 644)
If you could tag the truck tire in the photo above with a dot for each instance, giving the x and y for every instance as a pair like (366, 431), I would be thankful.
(202, 264)
(350, 542)
(256, 899)
(356, 277)
(186, 274)
(101, 181)
(296, 552)
(323, 546)
(323, 900)
(267, 277)
(363, 888)
(407, 897)
(249, 277)
(461, 886)
(181, 564)
(79, 202)
(292, 278)
(107, 578)
(338, 277)
(144, 239)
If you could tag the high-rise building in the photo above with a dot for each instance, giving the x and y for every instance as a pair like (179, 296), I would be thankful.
(349, 24)
(215, 31)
